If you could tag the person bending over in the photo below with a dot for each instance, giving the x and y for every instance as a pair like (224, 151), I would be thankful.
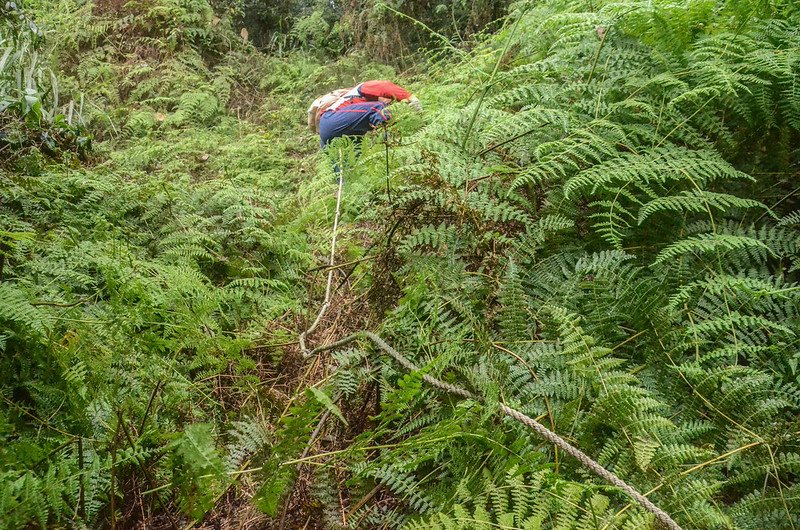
(361, 109)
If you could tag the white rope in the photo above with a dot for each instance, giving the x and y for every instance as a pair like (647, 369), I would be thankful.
(534, 425)
(537, 427)
(327, 301)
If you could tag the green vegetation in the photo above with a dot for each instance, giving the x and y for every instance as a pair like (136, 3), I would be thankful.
(594, 221)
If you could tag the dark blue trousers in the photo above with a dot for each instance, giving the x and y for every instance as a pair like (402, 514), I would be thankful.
(356, 119)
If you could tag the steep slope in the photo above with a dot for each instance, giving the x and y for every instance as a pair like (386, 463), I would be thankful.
(144, 279)
(593, 221)
(599, 229)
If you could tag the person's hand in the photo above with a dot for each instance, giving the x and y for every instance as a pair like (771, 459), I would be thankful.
(414, 103)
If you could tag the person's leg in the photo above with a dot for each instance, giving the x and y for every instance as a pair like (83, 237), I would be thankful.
(324, 140)
(327, 129)
(351, 123)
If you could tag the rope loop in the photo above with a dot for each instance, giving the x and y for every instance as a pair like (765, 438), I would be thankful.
(526, 420)
(328, 287)
(514, 414)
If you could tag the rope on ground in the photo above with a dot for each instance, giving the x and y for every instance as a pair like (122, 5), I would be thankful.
(534, 425)
(331, 269)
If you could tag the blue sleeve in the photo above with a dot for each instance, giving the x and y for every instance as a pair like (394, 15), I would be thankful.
(379, 115)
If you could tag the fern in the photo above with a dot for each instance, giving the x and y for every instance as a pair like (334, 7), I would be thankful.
(613, 250)
(16, 308)
(704, 243)
(199, 469)
(695, 201)
(247, 438)
(513, 308)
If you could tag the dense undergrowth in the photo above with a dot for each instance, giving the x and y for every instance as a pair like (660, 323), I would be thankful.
(595, 221)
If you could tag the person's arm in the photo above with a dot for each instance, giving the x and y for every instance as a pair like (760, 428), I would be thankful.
(379, 115)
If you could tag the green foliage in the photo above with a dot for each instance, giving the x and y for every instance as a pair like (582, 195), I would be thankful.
(530, 500)
(198, 469)
(24, 80)
(600, 253)
(388, 31)
(131, 287)
(31, 111)
(277, 479)
(594, 221)
(513, 320)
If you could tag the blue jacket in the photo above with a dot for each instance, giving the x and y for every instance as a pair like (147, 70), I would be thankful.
(356, 119)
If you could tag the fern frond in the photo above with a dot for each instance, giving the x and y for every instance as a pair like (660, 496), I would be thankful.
(696, 201)
(705, 243)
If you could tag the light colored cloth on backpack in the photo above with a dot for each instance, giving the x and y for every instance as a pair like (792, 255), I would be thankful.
(329, 101)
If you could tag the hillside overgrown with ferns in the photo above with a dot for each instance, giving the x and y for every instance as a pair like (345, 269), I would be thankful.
(595, 220)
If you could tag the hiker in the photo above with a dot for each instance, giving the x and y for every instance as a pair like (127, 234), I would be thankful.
(357, 111)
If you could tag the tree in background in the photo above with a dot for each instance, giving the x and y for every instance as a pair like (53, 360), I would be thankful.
(388, 31)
